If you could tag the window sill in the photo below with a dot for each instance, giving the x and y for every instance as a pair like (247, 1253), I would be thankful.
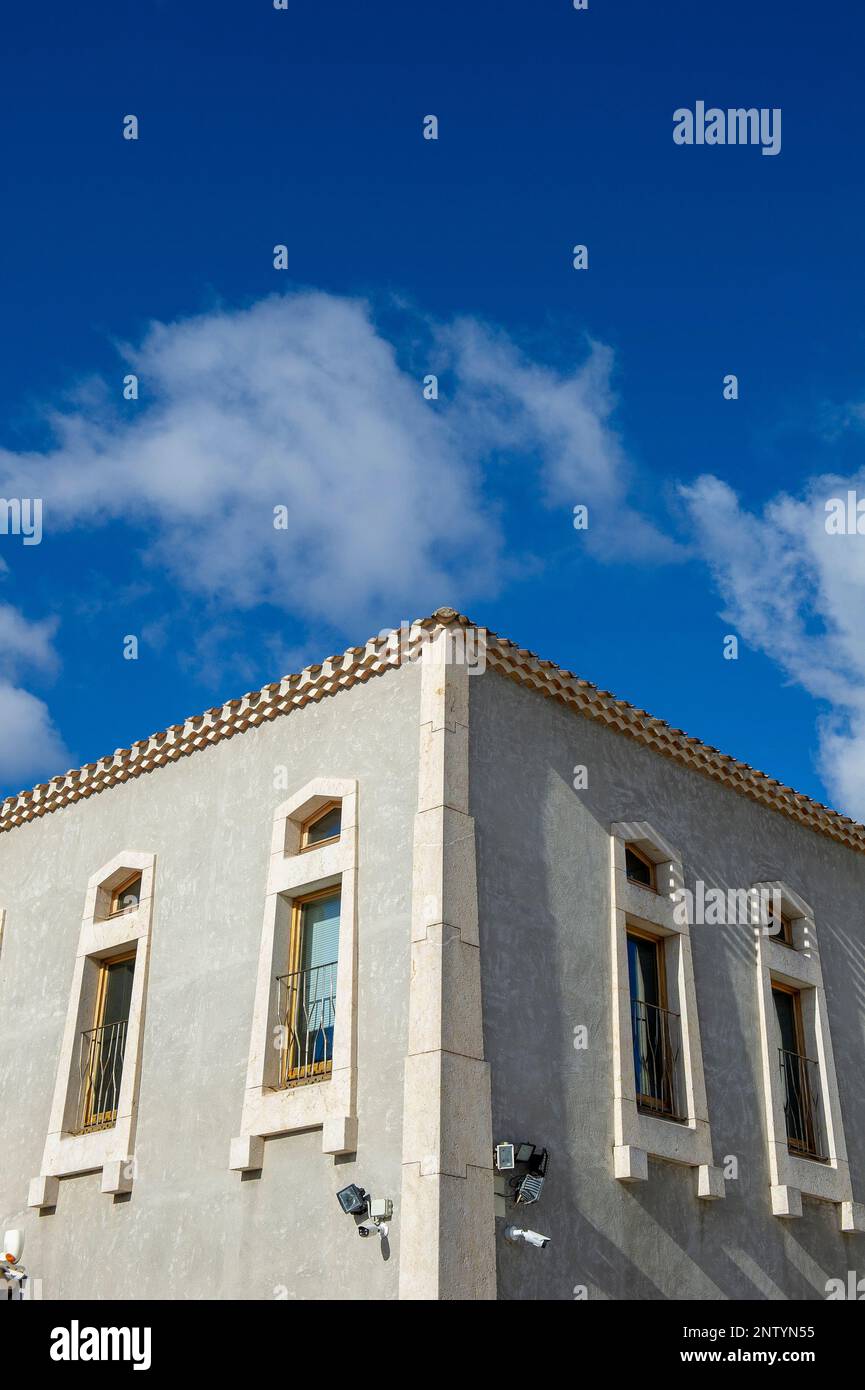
(296, 1085)
(822, 1159)
(646, 887)
(661, 1115)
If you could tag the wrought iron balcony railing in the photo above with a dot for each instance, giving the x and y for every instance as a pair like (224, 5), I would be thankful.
(306, 1010)
(657, 1052)
(100, 1063)
(802, 1090)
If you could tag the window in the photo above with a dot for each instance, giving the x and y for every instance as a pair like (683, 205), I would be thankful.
(304, 1020)
(126, 896)
(307, 993)
(102, 1047)
(639, 868)
(780, 928)
(323, 827)
(800, 1076)
(655, 1030)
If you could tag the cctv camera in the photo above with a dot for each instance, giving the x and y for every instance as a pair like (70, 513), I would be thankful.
(13, 1246)
(373, 1228)
(517, 1235)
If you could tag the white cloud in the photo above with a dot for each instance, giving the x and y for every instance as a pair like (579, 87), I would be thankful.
(564, 420)
(24, 643)
(797, 594)
(300, 401)
(394, 502)
(30, 745)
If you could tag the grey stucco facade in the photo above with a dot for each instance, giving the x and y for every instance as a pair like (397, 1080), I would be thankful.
(473, 975)
(544, 889)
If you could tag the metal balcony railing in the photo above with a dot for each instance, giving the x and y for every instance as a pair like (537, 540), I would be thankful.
(306, 1010)
(805, 1132)
(100, 1062)
(657, 1051)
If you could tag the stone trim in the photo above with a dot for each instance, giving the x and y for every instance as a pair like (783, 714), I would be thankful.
(383, 653)
(447, 1220)
(637, 1135)
(109, 1151)
(792, 1177)
(331, 1104)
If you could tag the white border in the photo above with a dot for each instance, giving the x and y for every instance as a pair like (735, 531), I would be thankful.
(331, 1104)
(109, 1151)
(791, 1176)
(637, 1135)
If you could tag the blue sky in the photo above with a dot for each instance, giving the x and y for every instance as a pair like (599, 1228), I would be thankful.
(302, 387)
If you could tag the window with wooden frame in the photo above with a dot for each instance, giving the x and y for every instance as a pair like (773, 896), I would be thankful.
(800, 1076)
(322, 828)
(307, 992)
(102, 1047)
(639, 868)
(780, 928)
(126, 895)
(655, 1030)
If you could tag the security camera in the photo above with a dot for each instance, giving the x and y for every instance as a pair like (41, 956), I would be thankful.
(373, 1228)
(517, 1235)
(378, 1210)
(13, 1246)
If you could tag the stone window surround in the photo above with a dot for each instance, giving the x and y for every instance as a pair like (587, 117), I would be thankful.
(109, 1151)
(791, 1176)
(637, 1135)
(329, 1104)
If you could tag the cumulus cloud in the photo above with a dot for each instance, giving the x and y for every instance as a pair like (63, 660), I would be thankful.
(30, 745)
(24, 643)
(797, 593)
(302, 402)
(299, 401)
(564, 420)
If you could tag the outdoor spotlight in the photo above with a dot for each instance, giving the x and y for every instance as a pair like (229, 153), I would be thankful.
(353, 1200)
(525, 1152)
(528, 1187)
(504, 1157)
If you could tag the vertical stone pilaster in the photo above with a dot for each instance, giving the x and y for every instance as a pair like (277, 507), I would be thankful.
(447, 1222)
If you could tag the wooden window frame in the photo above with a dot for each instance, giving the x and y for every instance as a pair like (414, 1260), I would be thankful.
(289, 1077)
(659, 943)
(648, 1105)
(104, 1119)
(797, 1011)
(651, 886)
(785, 936)
(313, 820)
(798, 1147)
(117, 894)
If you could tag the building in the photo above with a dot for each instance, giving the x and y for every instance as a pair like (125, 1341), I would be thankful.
(363, 926)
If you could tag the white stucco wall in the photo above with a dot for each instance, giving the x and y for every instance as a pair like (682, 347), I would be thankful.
(191, 1227)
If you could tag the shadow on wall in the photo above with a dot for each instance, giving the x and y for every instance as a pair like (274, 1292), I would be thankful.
(544, 898)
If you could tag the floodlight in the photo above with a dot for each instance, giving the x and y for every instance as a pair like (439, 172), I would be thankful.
(353, 1200)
